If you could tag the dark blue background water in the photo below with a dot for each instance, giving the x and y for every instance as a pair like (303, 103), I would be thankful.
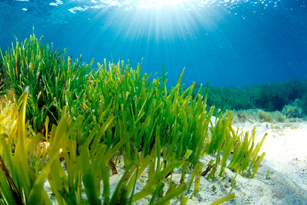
(235, 42)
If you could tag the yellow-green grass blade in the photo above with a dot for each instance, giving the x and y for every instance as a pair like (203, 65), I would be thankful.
(22, 168)
(171, 187)
(183, 173)
(116, 195)
(132, 169)
(5, 190)
(87, 174)
(66, 196)
(8, 187)
(106, 184)
(111, 152)
(212, 173)
(197, 167)
(224, 199)
(256, 151)
(6, 152)
(57, 180)
(198, 176)
(180, 189)
(59, 134)
(158, 193)
(144, 163)
(144, 192)
(227, 151)
(183, 200)
(34, 142)
(157, 149)
(257, 164)
(100, 133)
(155, 181)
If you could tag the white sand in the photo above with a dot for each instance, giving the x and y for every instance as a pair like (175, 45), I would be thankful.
(286, 158)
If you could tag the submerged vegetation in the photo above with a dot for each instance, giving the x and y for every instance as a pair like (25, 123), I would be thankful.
(68, 124)
(268, 97)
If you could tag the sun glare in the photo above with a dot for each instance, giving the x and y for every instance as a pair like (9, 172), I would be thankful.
(160, 2)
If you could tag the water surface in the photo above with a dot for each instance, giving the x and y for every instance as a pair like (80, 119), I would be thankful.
(228, 42)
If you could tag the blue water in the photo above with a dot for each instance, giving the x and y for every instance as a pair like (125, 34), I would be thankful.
(228, 42)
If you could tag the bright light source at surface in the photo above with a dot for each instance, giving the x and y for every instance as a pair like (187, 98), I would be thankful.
(168, 1)
(163, 2)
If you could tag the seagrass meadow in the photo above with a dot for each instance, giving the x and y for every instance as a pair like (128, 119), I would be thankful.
(68, 123)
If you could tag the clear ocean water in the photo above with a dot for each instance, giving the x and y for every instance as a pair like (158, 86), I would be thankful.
(228, 42)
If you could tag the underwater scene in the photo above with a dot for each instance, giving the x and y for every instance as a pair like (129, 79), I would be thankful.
(164, 102)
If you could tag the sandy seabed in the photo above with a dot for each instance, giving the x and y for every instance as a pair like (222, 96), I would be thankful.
(281, 178)
(286, 161)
